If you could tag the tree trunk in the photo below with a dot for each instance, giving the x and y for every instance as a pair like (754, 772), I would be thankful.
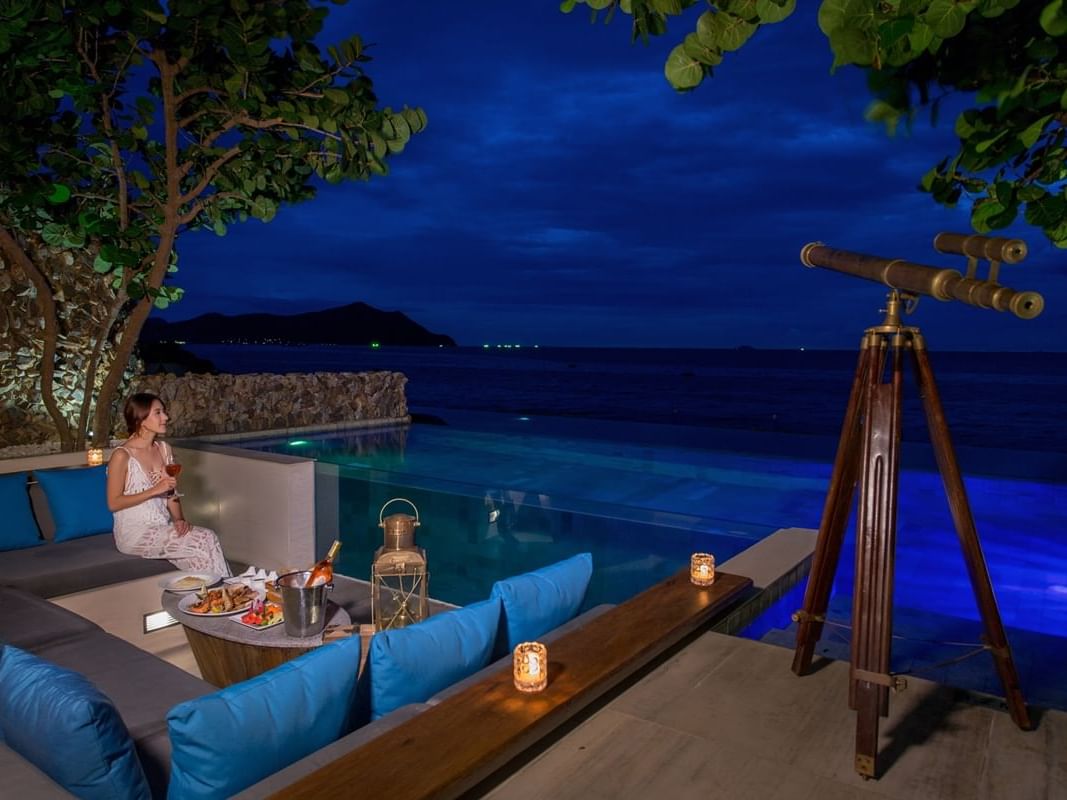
(46, 304)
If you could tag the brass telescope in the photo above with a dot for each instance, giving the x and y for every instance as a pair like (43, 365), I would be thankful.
(942, 284)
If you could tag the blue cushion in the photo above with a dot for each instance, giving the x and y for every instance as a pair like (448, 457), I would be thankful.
(77, 499)
(224, 742)
(544, 599)
(63, 725)
(19, 529)
(410, 665)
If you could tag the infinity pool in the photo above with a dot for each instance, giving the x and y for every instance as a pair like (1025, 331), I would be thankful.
(492, 488)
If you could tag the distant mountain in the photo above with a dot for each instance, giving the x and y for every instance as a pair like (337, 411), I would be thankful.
(357, 323)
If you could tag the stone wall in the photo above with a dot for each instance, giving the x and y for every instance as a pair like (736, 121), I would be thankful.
(199, 405)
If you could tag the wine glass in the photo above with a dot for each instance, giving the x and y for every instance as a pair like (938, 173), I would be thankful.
(174, 470)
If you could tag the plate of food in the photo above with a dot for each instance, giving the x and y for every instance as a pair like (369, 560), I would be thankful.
(218, 602)
(188, 581)
(261, 616)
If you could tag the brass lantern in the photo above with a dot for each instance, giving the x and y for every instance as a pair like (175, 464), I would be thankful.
(399, 578)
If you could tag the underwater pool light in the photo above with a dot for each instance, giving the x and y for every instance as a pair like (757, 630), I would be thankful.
(298, 442)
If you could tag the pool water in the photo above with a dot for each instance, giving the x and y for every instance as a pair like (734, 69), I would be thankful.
(500, 494)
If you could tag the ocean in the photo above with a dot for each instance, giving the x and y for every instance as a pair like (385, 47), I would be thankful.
(993, 401)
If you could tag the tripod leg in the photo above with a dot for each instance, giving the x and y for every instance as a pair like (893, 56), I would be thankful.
(872, 599)
(968, 536)
(834, 517)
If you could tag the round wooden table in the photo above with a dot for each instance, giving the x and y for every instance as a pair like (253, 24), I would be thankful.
(227, 652)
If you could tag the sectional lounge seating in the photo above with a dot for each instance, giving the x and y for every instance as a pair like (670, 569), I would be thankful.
(56, 534)
(85, 713)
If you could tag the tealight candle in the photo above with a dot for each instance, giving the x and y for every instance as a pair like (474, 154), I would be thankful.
(702, 569)
(530, 667)
(95, 457)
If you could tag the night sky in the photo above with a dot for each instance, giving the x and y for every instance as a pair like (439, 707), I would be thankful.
(564, 194)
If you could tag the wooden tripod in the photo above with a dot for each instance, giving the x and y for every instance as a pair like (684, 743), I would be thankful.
(869, 453)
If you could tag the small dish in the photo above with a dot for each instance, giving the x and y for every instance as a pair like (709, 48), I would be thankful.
(188, 582)
(239, 621)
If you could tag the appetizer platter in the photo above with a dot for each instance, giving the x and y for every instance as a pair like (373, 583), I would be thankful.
(218, 602)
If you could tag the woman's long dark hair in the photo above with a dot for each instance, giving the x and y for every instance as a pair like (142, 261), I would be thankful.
(137, 408)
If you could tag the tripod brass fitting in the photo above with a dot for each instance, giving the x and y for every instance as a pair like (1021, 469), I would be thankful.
(920, 279)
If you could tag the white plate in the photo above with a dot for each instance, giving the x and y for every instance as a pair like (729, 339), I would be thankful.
(171, 583)
(191, 599)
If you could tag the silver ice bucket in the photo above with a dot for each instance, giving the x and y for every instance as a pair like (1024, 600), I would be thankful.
(304, 607)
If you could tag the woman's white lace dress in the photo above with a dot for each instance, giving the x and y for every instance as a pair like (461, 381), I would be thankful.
(146, 529)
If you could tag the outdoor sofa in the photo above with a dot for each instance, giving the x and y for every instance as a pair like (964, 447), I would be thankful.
(87, 714)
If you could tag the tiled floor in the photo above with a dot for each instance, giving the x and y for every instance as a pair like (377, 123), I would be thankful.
(726, 718)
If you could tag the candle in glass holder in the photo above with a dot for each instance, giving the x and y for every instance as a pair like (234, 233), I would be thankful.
(95, 457)
(530, 667)
(702, 569)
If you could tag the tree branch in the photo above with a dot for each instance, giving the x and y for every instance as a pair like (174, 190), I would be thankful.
(199, 206)
(46, 303)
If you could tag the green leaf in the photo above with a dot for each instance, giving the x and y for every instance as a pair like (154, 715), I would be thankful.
(1033, 131)
(338, 96)
(946, 17)
(837, 14)
(771, 11)
(101, 265)
(682, 71)
(984, 145)
(160, 301)
(53, 233)
(59, 194)
(219, 228)
(852, 46)
(1053, 20)
(694, 48)
(983, 212)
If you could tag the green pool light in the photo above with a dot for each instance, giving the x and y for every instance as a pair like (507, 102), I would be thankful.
(375, 345)
(299, 442)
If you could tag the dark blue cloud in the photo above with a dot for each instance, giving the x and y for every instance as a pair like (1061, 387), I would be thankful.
(564, 194)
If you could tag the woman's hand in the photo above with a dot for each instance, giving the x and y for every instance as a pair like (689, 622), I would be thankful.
(181, 526)
(165, 484)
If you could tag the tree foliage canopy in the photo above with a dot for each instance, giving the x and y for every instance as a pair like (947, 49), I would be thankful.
(128, 122)
(1008, 56)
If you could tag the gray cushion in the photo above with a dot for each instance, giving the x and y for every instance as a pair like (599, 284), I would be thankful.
(153, 749)
(52, 569)
(27, 621)
(320, 758)
(142, 687)
(43, 514)
(23, 780)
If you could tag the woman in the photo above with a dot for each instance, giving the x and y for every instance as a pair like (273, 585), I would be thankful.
(148, 521)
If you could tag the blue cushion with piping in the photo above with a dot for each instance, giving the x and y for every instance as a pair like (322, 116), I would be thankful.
(77, 499)
(19, 529)
(411, 665)
(225, 742)
(538, 601)
(62, 724)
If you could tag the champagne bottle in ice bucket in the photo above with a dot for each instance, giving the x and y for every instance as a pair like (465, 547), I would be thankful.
(322, 572)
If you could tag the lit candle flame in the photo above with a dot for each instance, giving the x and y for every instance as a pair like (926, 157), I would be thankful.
(533, 665)
(703, 570)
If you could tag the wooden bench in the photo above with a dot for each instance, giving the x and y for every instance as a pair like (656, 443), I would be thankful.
(452, 746)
